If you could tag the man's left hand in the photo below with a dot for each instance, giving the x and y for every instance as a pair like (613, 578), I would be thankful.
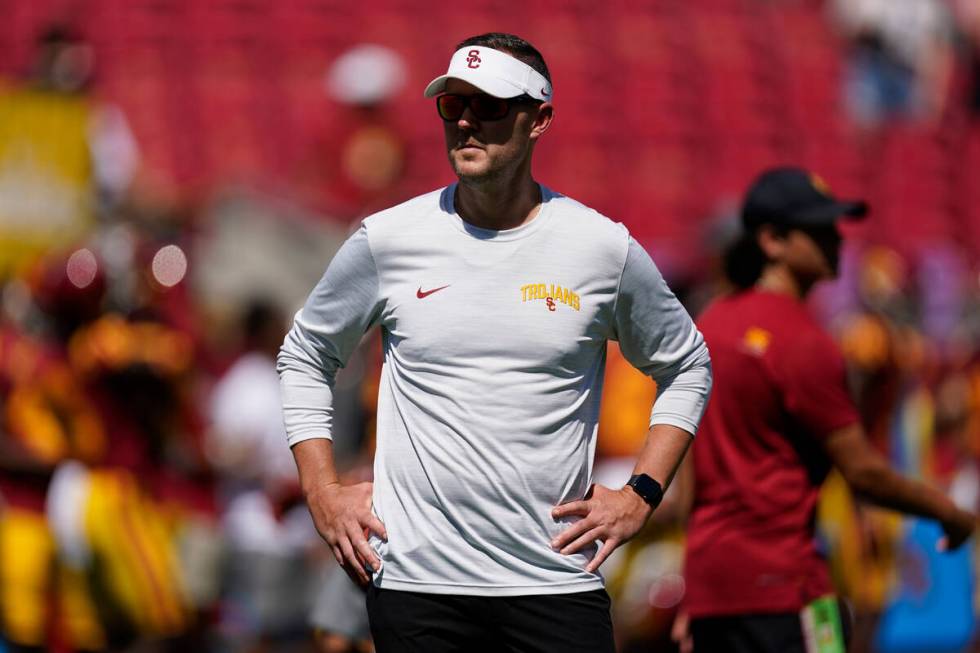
(613, 516)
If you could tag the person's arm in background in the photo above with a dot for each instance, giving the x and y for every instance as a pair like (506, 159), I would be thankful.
(658, 337)
(340, 309)
(815, 393)
(871, 477)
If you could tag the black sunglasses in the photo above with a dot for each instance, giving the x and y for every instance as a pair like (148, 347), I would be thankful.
(485, 107)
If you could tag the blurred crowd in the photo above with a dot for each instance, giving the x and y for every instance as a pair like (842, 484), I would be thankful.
(147, 499)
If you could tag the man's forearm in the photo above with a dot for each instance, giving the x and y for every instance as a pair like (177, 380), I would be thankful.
(342, 514)
(887, 488)
(662, 453)
(314, 460)
(870, 476)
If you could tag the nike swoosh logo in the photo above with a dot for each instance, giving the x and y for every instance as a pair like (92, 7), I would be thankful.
(423, 294)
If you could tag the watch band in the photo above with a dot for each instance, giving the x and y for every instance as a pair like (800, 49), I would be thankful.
(648, 489)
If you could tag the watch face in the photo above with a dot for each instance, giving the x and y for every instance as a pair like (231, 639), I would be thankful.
(648, 489)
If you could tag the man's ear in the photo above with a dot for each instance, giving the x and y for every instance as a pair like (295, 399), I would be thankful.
(542, 120)
(771, 241)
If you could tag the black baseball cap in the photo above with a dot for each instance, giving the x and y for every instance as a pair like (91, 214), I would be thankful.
(794, 197)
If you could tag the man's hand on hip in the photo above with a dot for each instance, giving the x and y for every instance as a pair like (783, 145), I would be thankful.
(613, 516)
(343, 517)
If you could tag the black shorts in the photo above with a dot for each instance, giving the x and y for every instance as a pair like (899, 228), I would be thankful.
(410, 622)
(756, 633)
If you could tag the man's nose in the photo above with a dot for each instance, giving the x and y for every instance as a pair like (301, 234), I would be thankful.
(468, 120)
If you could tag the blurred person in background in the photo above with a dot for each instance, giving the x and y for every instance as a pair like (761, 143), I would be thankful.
(64, 156)
(780, 419)
(245, 438)
(122, 519)
(271, 582)
(268, 534)
(901, 58)
(358, 162)
(46, 419)
(496, 297)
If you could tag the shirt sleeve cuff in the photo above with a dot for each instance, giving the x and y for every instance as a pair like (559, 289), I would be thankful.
(674, 420)
(295, 439)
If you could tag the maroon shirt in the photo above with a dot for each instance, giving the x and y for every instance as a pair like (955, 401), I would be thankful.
(779, 389)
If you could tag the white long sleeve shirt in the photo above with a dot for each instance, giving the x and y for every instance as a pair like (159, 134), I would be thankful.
(494, 351)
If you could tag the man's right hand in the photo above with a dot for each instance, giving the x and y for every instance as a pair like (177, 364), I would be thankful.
(343, 517)
(957, 527)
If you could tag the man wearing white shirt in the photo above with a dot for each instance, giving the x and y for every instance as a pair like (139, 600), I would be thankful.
(496, 297)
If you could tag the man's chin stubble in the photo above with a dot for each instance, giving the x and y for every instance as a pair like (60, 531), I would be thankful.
(475, 180)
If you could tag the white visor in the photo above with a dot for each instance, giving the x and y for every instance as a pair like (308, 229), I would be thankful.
(493, 72)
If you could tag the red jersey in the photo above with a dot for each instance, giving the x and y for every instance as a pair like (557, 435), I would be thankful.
(779, 389)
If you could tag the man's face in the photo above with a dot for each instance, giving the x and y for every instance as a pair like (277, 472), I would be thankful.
(482, 150)
(814, 253)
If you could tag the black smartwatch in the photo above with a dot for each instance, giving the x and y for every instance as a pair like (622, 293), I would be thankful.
(648, 489)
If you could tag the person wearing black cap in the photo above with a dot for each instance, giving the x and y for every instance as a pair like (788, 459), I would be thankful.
(779, 419)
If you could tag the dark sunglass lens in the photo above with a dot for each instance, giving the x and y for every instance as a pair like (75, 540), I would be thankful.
(450, 107)
(487, 107)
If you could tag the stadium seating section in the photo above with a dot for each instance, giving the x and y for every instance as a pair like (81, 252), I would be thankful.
(666, 109)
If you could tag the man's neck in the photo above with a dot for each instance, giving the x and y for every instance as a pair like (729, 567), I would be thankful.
(778, 279)
(498, 206)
